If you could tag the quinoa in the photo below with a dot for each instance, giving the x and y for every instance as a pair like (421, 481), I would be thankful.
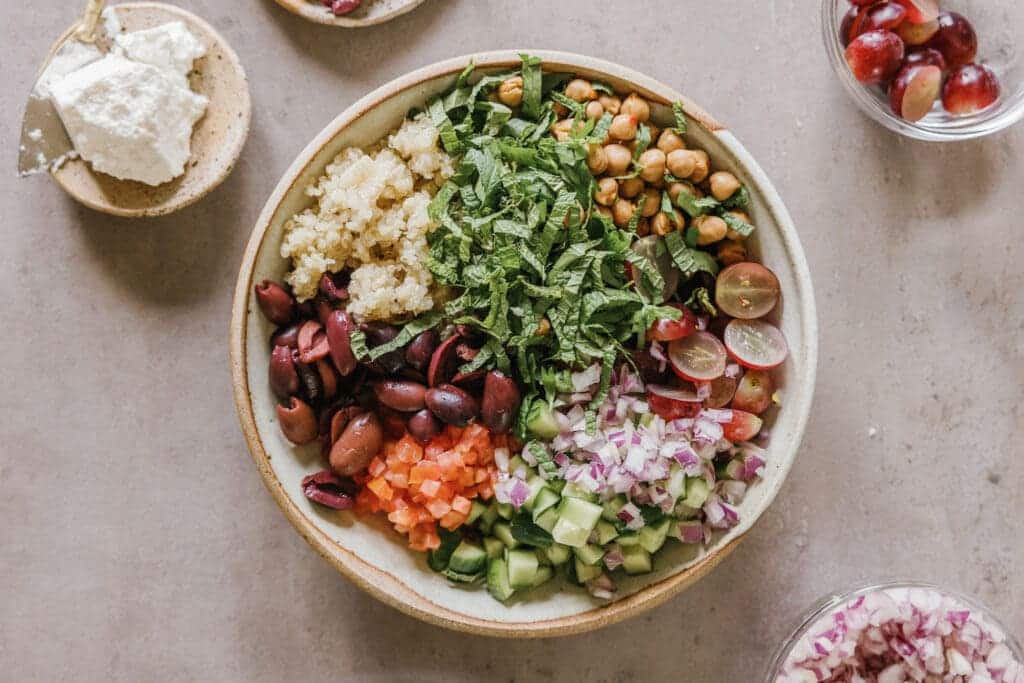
(371, 217)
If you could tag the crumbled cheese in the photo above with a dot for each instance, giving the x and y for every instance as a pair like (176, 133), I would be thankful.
(371, 217)
(131, 113)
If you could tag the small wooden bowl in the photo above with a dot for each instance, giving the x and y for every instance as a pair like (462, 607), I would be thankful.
(217, 138)
(365, 549)
(369, 14)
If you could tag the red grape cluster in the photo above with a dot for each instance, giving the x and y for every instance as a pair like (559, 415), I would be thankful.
(918, 54)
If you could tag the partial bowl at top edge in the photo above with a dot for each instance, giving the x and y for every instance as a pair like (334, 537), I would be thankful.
(313, 10)
(379, 564)
(997, 47)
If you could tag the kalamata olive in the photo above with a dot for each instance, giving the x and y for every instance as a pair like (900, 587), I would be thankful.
(400, 395)
(313, 344)
(358, 444)
(420, 349)
(323, 309)
(381, 333)
(452, 405)
(275, 302)
(328, 378)
(333, 286)
(392, 421)
(651, 370)
(338, 424)
(501, 402)
(298, 422)
(330, 490)
(339, 327)
(286, 336)
(309, 381)
(444, 362)
(424, 426)
(284, 381)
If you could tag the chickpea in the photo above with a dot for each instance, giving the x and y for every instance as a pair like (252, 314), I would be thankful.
(637, 107)
(681, 163)
(669, 141)
(622, 212)
(710, 229)
(604, 211)
(723, 185)
(674, 189)
(652, 162)
(630, 187)
(652, 204)
(654, 130)
(580, 90)
(703, 165)
(678, 219)
(510, 92)
(561, 111)
(594, 110)
(597, 160)
(623, 127)
(662, 224)
(607, 191)
(643, 228)
(739, 215)
(611, 103)
(619, 158)
(543, 327)
(658, 182)
(731, 251)
(560, 129)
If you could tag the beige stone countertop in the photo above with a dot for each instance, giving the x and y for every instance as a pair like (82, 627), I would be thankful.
(137, 542)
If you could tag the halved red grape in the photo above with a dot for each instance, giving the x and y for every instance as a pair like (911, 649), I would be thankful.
(755, 344)
(925, 56)
(742, 427)
(917, 34)
(920, 11)
(747, 290)
(955, 39)
(883, 16)
(754, 393)
(969, 89)
(862, 3)
(846, 25)
(670, 403)
(875, 57)
(722, 391)
(914, 90)
(700, 357)
(669, 330)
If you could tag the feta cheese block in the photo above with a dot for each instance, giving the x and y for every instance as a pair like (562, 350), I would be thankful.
(128, 119)
(170, 46)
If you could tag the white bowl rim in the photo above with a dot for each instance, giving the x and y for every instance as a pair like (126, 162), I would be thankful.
(398, 594)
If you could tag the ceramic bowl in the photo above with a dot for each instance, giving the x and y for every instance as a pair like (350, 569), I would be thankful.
(364, 549)
(370, 13)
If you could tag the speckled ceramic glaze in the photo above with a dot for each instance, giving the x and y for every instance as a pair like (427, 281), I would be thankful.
(364, 548)
(371, 12)
(217, 138)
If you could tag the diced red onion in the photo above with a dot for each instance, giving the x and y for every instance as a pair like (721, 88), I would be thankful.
(613, 557)
(601, 587)
(702, 322)
(690, 532)
(732, 370)
(518, 493)
(703, 390)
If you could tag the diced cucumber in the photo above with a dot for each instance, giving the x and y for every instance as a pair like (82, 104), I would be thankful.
(547, 519)
(493, 547)
(653, 537)
(540, 421)
(589, 554)
(503, 532)
(628, 538)
(580, 512)
(489, 516)
(522, 568)
(468, 558)
(475, 511)
(556, 485)
(497, 580)
(606, 532)
(571, 490)
(684, 511)
(536, 485)
(586, 572)
(505, 510)
(676, 484)
(697, 491)
(542, 556)
(611, 509)
(558, 554)
(569, 534)
(515, 462)
(544, 575)
(636, 560)
(545, 499)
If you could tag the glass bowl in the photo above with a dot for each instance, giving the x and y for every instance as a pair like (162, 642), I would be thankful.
(832, 601)
(998, 27)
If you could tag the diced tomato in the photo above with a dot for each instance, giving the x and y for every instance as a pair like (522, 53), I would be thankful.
(376, 467)
(462, 505)
(380, 487)
(430, 487)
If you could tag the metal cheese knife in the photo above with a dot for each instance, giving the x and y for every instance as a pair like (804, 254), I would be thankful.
(44, 141)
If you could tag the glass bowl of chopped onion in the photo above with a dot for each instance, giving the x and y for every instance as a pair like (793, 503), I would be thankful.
(898, 632)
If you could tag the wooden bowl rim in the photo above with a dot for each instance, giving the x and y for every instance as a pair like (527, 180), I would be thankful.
(182, 201)
(319, 14)
(401, 596)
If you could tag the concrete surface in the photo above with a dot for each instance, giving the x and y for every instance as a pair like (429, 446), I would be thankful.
(137, 542)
